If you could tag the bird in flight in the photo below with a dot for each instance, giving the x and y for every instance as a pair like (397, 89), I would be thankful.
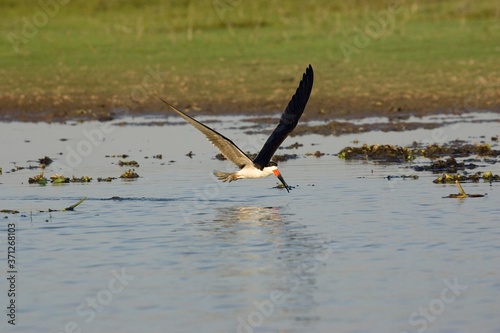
(260, 166)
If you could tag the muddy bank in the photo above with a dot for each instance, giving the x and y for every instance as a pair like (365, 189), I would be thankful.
(105, 108)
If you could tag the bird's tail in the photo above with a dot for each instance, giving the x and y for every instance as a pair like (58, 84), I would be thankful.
(225, 176)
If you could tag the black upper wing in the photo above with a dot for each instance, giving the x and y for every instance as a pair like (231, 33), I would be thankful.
(289, 119)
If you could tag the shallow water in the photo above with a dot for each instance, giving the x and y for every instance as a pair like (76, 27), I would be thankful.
(177, 251)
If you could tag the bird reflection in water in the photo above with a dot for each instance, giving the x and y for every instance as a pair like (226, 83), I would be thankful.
(248, 214)
(269, 245)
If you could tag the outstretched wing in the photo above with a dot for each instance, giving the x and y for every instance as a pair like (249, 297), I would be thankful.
(289, 119)
(226, 146)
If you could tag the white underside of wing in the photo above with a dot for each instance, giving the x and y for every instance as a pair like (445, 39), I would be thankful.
(225, 146)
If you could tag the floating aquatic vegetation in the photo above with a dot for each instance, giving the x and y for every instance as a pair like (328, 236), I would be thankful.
(476, 177)
(117, 156)
(45, 160)
(9, 211)
(130, 174)
(19, 168)
(83, 179)
(128, 163)
(293, 146)
(38, 179)
(414, 177)
(70, 208)
(458, 148)
(387, 153)
(58, 179)
(105, 179)
(489, 176)
(317, 153)
(284, 157)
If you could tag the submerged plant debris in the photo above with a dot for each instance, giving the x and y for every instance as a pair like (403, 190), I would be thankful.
(295, 145)
(72, 207)
(284, 157)
(449, 165)
(50, 210)
(19, 168)
(343, 127)
(462, 193)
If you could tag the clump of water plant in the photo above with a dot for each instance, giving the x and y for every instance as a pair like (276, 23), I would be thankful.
(448, 178)
(45, 161)
(386, 153)
(58, 179)
(128, 163)
(105, 179)
(130, 174)
(82, 179)
(38, 179)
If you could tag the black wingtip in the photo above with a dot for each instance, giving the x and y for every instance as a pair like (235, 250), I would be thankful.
(301, 96)
(309, 71)
(309, 74)
(289, 119)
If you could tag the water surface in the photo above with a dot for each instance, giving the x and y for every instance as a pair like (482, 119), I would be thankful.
(177, 251)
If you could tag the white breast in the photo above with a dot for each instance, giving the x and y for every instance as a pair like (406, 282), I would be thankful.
(253, 172)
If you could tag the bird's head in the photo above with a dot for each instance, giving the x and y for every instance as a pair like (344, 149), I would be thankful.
(272, 166)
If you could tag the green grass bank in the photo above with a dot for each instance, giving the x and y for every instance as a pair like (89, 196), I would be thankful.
(61, 59)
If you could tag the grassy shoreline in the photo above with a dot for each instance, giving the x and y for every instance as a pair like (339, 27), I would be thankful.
(97, 58)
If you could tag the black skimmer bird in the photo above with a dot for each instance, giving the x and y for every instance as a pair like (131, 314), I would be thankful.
(260, 166)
